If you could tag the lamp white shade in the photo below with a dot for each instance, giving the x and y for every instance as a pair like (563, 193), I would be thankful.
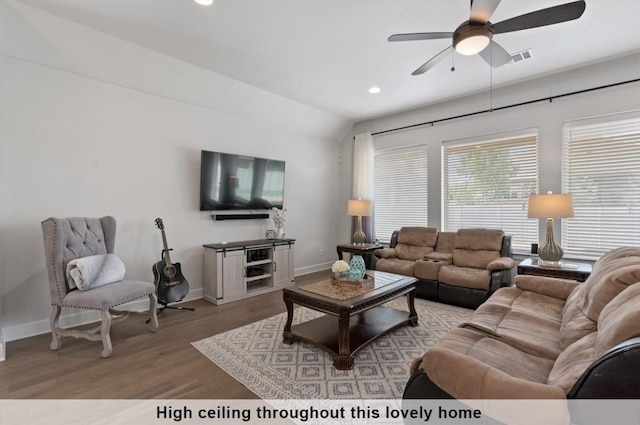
(359, 207)
(550, 205)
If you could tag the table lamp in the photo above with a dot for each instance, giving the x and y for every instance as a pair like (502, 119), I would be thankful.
(550, 206)
(359, 208)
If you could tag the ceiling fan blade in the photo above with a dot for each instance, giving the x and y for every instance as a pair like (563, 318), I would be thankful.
(481, 10)
(495, 55)
(432, 62)
(420, 36)
(540, 18)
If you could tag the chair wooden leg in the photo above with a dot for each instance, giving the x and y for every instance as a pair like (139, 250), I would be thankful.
(56, 340)
(153, 311)
(105, 328)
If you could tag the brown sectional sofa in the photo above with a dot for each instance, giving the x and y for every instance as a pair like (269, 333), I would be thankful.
(544, 338)
(462, 268)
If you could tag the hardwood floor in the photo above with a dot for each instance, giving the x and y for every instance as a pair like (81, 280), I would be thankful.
(144, 365)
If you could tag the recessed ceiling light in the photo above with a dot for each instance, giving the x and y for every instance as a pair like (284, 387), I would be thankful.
(204, 2)
(374, 90)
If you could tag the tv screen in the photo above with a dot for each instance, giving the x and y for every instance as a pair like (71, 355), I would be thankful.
(239, 182)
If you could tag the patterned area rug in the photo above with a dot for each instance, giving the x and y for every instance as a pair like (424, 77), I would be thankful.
(256, 356)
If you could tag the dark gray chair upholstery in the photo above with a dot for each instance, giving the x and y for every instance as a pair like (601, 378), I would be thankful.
(66, 239)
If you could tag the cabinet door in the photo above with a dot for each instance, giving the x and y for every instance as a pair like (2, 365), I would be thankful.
(283, 265)
(233, 275)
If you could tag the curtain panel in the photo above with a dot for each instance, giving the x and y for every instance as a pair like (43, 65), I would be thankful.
(363, 178)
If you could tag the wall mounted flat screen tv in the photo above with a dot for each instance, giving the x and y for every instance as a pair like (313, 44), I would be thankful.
(240, 182)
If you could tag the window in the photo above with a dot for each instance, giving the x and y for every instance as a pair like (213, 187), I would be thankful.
(601, 169)
(486, 183)
(400, 190)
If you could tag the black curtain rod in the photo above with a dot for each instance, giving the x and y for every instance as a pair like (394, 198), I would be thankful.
(544, 99)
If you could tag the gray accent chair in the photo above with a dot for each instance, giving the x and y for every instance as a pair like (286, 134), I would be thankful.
(66, 239)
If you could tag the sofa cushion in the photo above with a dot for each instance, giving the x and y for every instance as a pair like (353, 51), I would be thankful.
(416, 242)
(395, 265)
(418, 236)
(550, 286)
(530, 332)
(606, 282)
(539, 305)
(476, 248)
(446, 242)
(572, 363)
(625, 251)
(477, 259)
(619, 320)
(467, 364)
(583, 307)
(411, 252)
(575, 324)
(466, 277)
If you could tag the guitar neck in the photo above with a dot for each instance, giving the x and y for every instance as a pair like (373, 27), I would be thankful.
(167, 257)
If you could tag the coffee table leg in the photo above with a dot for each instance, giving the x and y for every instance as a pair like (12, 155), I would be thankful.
(344, 361)
(287, 337)
(413, 315)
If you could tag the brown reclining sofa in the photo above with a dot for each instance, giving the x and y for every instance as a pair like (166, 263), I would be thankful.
(462, 268)
(544, 338)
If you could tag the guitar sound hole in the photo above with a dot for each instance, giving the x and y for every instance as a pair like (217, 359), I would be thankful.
(170, 271)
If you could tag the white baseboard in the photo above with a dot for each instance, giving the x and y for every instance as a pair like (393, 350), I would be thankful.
(77, 318)
(314, 268)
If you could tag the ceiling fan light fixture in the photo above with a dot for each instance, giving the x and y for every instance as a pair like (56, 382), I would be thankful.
(472, 44)
(470, 38)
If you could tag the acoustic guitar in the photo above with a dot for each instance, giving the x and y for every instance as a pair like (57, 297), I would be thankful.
(171, 286)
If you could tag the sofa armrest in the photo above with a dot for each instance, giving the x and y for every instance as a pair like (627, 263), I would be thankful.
(550, 286)
(502, 263)
(386, 253)
(440, 256)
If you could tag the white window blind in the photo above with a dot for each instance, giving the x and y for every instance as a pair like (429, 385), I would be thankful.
(601, 169)
(400, 190)
(486, 183)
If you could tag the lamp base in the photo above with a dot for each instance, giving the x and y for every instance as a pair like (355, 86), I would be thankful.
(359, 238)
(550, 252)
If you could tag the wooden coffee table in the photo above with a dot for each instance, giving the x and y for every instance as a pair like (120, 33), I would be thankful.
(352, 323)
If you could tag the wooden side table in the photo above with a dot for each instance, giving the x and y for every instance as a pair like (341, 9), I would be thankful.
(360, 249)
(565, 270)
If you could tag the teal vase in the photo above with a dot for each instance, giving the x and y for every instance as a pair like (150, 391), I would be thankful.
(357, 268)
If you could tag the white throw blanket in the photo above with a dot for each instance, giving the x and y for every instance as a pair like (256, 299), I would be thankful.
(95, 270)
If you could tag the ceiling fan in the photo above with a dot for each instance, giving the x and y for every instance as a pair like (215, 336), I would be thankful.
(475, 35)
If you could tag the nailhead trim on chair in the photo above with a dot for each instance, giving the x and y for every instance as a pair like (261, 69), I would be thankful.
(53, 256)
(102, 309)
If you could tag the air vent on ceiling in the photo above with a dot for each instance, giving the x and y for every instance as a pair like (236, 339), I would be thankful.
(521, 56)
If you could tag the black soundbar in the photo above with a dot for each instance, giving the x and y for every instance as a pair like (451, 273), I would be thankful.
(219, 217)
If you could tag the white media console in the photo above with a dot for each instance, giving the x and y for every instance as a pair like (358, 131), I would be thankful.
(237, 270)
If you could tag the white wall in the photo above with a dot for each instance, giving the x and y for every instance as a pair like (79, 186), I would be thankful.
(547, 117)
(92, 125)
